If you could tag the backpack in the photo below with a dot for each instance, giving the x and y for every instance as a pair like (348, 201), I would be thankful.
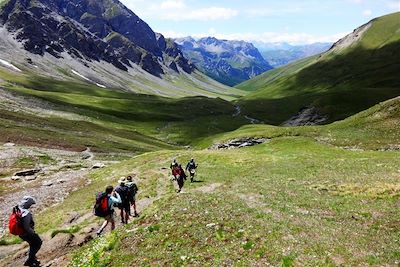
(134, 189)
(101, 208)
(15, 224)
(123, 192)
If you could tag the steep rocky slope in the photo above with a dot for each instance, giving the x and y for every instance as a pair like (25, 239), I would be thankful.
(99, 42)
(93, 30)
(229, 62)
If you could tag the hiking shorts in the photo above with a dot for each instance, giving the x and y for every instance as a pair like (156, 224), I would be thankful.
(126, 207)
(110, 218)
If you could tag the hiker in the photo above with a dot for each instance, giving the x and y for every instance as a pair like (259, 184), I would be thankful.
(28, 233)
(133, 189)
(191, 167)
(179, 176)
(109, 198)
(173, 163)
(123, 191)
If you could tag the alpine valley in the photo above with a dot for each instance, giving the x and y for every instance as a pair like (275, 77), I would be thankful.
(297, 165)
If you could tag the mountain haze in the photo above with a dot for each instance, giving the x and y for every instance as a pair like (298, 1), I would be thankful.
(279, 54)
(229, 62)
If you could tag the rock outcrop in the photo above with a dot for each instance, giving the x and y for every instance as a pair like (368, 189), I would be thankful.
(239, 143)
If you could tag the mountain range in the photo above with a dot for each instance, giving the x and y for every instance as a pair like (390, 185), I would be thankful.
(279, 54)
(229, 62)
(102, 42)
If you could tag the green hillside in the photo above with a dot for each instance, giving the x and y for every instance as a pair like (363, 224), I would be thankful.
(74, 115)
(299, 199)
(357, 73)
(377, 128)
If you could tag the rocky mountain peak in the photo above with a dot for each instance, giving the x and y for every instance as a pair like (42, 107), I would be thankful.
(229, 62)
(88, 30)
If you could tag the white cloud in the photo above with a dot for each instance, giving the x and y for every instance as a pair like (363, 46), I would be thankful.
(393, 5)
(357, 1)
(367, 13)
(266, 37)
(268, 12)
(202, 14)
(173, 4)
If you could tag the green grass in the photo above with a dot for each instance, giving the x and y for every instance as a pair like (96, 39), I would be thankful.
(71, 230)
(290, 202)
(297, 200)
(112, 120)
(377, 128)
(340, 83)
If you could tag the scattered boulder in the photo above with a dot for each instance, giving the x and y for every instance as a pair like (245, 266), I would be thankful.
(30, 178)
(9, 144)
(98, 165)
(48, 183)
(307, 116)
(73, 217)
(30, 172)
(15, 178)
(240, 143)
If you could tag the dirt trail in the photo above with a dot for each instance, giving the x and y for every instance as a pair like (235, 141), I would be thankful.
(57, 251)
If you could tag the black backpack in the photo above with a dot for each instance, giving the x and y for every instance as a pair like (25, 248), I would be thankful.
(101, 208)
(123, 192)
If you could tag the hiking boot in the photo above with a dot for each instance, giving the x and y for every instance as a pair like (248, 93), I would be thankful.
(136, 214)
(32, 263)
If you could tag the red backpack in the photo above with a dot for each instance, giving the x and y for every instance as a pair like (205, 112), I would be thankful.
(101, 208)
(15, 224)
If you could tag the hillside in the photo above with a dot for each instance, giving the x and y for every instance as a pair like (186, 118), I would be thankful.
(73, 115)
(229, 62)
(98, 42)
(358, 72)
(295, 193)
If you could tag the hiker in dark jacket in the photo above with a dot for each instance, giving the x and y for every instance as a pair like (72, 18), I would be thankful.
(133, 189)
(179, 176)
(123, 190)
(173, 163)
(191, 167)
(30, 236)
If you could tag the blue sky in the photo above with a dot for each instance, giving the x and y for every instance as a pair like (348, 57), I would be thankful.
(296, 22)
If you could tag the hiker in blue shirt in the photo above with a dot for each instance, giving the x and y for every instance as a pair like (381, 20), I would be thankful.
(113, 198)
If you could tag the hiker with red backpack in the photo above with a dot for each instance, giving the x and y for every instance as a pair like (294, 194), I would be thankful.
(21, 223)
(104, 207)
(179, 175)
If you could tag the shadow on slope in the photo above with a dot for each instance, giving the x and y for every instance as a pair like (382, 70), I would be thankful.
(339, 85)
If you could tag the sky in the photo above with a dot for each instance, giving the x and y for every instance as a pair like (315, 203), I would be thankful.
(291, 21)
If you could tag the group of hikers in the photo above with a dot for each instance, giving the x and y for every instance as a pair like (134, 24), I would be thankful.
(123, 197)
(179, 174)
